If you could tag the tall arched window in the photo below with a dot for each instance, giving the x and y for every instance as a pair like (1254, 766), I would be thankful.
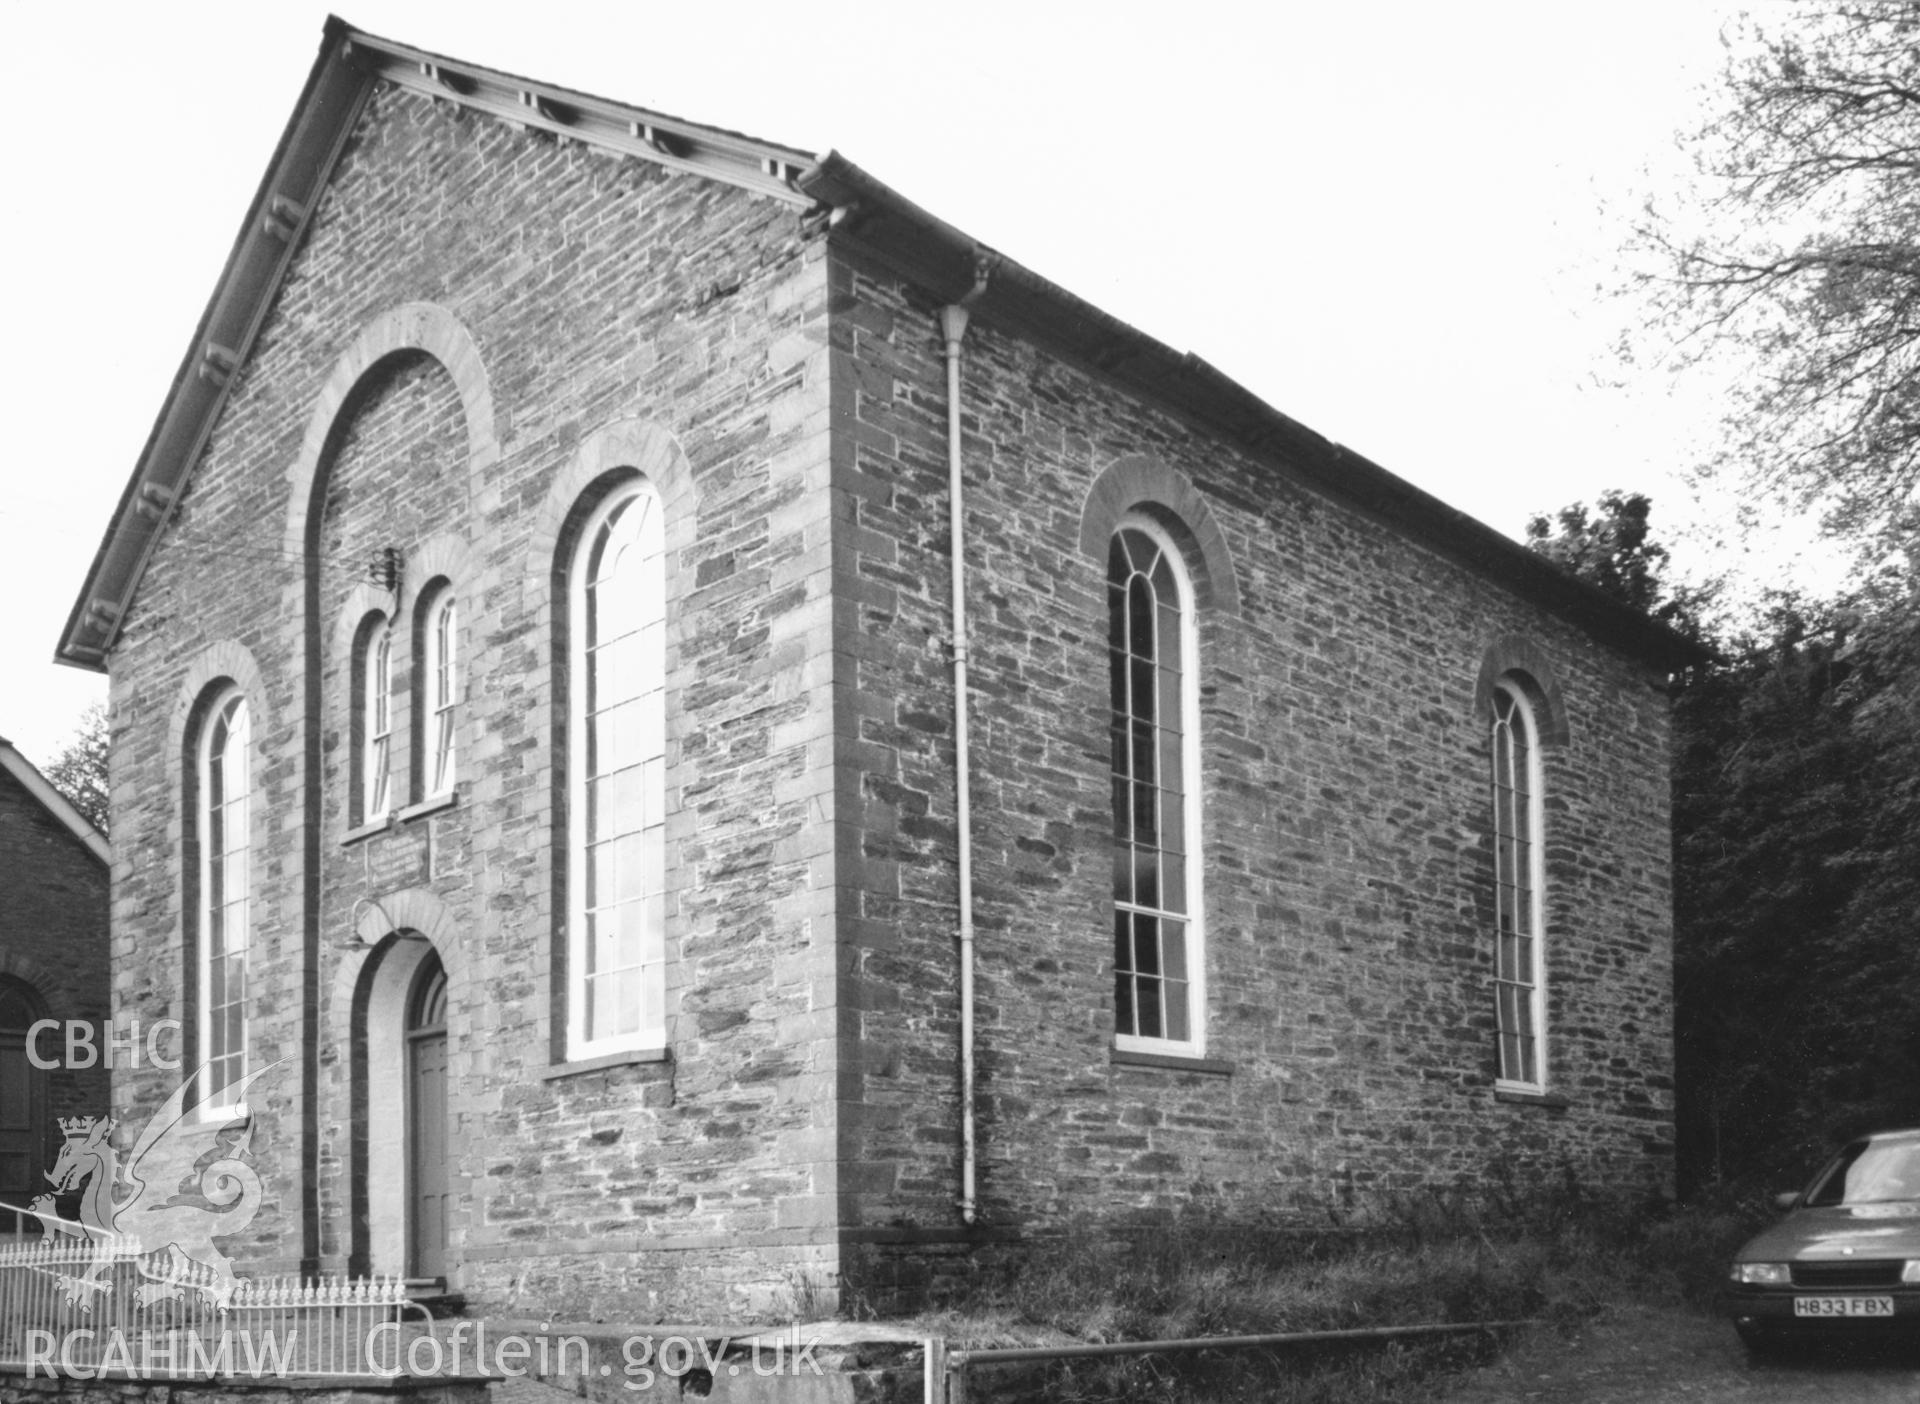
(1159, 969)
(374, 671)
(1519, 959)
(616, 747)
(439, 625)
(224, 916)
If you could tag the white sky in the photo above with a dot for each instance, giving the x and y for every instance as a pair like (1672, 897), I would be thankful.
(1387, 219)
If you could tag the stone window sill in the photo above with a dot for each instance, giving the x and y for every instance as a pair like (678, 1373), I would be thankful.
(393, 818)
(360, 833)
(1553, 1101)
(431, 805)
(608, 1060)
(1173, 1062)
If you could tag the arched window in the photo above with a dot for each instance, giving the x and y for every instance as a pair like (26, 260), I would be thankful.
(1159, 970)
(439, 629)
(616, 748)
(224, 916)
(1519, 936)
(374, 723)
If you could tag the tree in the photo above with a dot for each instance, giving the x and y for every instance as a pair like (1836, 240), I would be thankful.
(1805, 255)
(1611, 549)
(1797, 857)
(1797, 887)
(80, 770)
(1612, 546)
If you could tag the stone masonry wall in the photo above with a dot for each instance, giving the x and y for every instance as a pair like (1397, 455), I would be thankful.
(1348, 865)
(53, 937)
(584, 312)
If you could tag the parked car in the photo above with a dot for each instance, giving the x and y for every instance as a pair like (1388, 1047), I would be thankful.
(1845, 1258)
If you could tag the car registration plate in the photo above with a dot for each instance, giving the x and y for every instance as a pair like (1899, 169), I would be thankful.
(1843, 1306)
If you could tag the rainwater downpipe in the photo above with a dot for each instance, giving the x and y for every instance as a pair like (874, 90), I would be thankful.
(953, 327)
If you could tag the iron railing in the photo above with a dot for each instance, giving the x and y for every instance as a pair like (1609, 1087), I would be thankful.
(946, 1369)
(88, 1311)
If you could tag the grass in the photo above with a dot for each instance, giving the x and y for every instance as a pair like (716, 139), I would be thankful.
(1558, 1256)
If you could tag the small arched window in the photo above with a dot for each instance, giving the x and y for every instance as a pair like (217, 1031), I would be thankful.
(374, 704)
(616, 749)
(440, 694)
(1159, 966)
(224, 921)
(1519, 892)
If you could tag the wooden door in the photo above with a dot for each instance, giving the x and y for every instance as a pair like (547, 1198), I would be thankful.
(427, 1122)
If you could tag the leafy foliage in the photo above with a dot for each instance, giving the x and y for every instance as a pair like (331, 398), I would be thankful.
(80, 770)
(1797, 896)
(1797, 859)
(1807, 258)
(1611, 548)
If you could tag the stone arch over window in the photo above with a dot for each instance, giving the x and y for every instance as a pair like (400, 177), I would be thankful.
(223, 661)
(635, 445)
(1516, 659)
(1141, 483)
(416, 327)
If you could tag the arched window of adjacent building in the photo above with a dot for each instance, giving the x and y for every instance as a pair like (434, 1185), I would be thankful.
(439, 693)
(224, 912)
(373, 669)
(616, 760)
(1519, 891)
(1159, 967)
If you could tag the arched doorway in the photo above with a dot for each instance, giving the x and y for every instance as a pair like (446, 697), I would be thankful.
(23, 1108)
(427, 1121)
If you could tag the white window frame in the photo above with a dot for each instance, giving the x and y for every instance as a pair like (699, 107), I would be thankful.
(1194, 1045)
(229, 845)
(1511, 1070)
(376, 720)
(648, 834)
(440, 690)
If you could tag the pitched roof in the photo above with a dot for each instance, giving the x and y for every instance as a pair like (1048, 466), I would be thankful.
(51, 800)
(865, 214)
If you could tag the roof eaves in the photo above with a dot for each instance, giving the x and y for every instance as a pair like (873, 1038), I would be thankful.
(51, 800)
(947, 263)
(764, 167)
(349, 65)
(263, 250)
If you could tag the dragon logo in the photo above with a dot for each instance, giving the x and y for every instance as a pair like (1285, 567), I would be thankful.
(163, 1207)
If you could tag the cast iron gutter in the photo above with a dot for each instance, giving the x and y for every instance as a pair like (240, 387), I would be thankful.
(886, 226)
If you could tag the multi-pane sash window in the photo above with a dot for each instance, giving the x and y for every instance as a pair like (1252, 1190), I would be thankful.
(225, 921)
(1157, 958)
(617, 750)
(442, 692)
(376, 718)
(1518, 982)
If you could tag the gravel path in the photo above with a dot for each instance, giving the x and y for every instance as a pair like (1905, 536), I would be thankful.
(1678, 1356)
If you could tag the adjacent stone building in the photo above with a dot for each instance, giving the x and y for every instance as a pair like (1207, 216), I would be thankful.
(532, 632)
(53, 978)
